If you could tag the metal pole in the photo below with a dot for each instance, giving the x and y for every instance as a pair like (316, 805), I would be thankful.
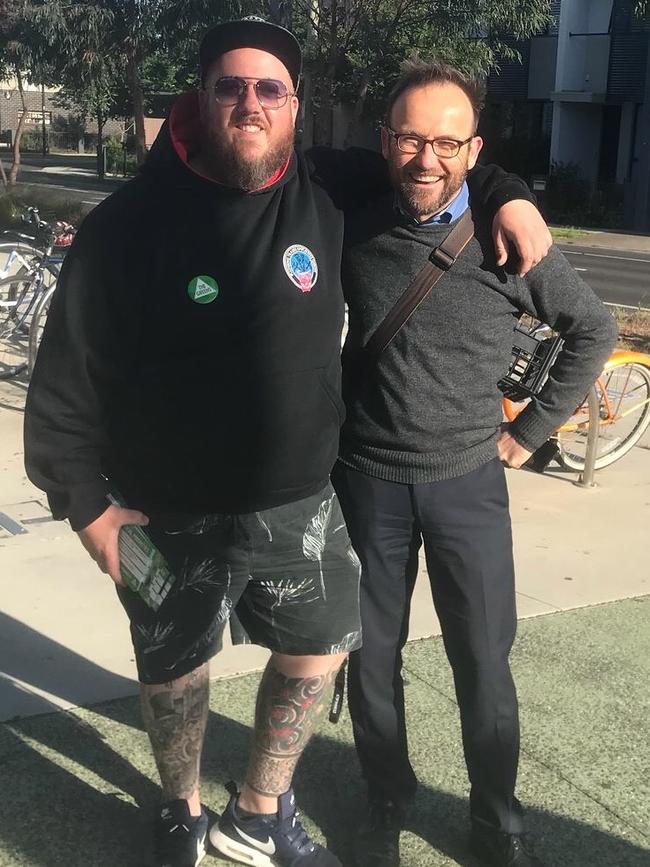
(586, 478)
(43, 118)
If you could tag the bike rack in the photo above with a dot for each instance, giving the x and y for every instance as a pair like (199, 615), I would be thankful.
(586, 478)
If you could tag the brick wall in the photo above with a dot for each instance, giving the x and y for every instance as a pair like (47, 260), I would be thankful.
(11, 108)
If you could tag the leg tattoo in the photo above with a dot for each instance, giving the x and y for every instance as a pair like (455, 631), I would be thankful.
(175, 715)
(287, 712)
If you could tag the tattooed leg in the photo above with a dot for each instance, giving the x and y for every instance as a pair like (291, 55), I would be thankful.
(293, 696)
(175, 715)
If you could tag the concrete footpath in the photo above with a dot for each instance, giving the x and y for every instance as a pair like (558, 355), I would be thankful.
(607, 239)
(74, 778)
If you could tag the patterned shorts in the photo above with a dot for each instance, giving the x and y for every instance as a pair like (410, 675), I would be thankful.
(286, 578)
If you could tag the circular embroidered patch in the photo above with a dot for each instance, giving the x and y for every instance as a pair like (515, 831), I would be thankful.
(301, 267)
(203, 289)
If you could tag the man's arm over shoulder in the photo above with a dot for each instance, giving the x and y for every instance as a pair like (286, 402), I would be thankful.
(81, 357)
(557, 295)
(517, 226)
(490, 187)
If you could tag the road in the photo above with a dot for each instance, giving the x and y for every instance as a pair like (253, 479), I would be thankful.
(615, 276)
(73, 174)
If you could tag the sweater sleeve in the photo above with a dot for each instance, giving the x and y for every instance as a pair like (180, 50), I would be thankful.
(490, 187)
(556, 294)
(81, 358)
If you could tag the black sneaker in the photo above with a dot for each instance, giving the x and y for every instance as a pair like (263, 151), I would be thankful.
(179, 837)
(498, 849)
(269, 841)
(377, 843)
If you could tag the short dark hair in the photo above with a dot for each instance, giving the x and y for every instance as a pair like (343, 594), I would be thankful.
(417, 73)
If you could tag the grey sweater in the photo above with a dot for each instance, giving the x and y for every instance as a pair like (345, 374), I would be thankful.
(430, 409)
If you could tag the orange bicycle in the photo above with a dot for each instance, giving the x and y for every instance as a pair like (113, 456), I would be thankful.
(623, 396)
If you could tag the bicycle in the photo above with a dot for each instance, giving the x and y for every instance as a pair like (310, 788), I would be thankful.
(19, 252)
(622, 391)
(32, 274)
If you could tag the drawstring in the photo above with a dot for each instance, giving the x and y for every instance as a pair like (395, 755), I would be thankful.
(339, 691)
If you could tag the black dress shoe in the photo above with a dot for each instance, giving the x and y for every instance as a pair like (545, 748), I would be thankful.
(498, 849)
(377, 842)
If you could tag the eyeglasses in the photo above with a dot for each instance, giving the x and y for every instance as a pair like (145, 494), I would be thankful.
(445, 148)
(270, 93)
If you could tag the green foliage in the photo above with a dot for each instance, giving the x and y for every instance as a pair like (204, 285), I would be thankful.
(569, 200)
(354, 48)
(52, 206)
(32, 141)
(567, 188)
(69, 124)
(118, 158)
(8, 212)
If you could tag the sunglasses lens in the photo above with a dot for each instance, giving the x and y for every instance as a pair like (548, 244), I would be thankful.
(270, 92)
(228, 90)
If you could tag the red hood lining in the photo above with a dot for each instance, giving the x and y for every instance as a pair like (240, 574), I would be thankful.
(184, 129)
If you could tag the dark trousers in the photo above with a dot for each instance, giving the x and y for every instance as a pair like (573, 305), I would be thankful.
(464, 524)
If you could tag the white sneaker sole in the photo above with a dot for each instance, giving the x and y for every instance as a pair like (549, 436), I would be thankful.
(201, 851)
(238, 851)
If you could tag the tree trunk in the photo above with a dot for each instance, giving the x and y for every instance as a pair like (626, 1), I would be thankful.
(326, 82)
(100, 136)
(281, 12)
(3, 175)
(357, 114)
(323, 125)
(13, 171)
(137, 95)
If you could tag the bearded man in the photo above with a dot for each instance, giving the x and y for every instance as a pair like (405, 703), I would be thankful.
(190, 370)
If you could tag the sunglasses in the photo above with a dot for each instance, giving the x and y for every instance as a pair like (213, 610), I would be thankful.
(270, 93)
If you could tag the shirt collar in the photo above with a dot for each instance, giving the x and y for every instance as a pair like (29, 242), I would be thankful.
(455, 209)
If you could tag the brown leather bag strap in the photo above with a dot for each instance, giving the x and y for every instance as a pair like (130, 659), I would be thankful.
(440, 261)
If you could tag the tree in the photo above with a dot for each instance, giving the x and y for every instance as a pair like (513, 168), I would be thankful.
(141, 28)
(81, 64)
(355, 47)
(42, 39)
(19, 54)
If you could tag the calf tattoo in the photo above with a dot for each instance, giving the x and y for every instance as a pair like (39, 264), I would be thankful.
(287, 712)
(175, 716)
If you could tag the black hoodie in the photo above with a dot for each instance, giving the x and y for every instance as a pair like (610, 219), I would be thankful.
(192, 349)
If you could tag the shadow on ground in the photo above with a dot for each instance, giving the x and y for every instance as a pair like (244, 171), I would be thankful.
(68, 797)
(76, 788)
(32, 662)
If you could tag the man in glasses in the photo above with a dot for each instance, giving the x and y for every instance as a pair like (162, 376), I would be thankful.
(190, 370)
(422, 453)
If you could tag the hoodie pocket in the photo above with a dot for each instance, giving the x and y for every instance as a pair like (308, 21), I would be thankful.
(332, 392)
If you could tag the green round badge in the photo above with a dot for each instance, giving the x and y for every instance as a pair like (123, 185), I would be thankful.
(202, 289)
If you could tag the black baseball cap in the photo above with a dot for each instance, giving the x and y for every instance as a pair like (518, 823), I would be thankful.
(252, 32)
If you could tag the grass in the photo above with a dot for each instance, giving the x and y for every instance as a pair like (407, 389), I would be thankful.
(566, 233)
(52, 204)
(633, 328)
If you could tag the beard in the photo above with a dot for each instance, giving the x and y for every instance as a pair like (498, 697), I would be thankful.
(240, 170)
(421, 201)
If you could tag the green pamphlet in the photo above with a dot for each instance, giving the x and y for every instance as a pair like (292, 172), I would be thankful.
(144, 569)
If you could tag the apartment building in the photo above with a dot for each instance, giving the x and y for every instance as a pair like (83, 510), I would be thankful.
(584, 89)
